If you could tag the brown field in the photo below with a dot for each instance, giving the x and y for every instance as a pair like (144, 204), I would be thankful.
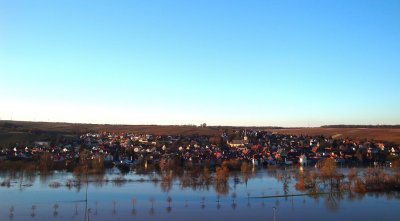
(23, 131)
(378, 134)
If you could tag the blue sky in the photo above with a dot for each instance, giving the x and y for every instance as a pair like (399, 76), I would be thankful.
(286, 63)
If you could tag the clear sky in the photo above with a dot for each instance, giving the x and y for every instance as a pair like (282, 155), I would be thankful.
(222, 62)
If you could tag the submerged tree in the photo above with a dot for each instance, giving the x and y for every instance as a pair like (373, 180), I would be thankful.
(328, 171)
(221, 185)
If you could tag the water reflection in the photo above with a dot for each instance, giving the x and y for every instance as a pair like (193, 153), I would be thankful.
(76, 210)
(202, 202)
(114, 210)
(55, 207)
(287, 190)
(33, 208)
(11, 216)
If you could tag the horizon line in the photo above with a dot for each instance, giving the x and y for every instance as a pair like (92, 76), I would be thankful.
(195, 125)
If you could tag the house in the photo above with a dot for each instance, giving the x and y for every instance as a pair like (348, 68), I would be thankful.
(303, 159)
(381, 146)
(42, 143)
(238, 143)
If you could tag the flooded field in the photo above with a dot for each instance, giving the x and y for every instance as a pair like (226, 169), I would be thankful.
(261, 194)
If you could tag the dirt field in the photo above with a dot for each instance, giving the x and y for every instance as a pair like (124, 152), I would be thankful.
(21, 131)
(379, 134)
(71, 128)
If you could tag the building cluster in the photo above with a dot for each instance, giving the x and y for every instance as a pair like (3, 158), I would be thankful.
(258, 147)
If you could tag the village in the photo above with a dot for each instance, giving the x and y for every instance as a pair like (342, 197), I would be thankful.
(260, 148)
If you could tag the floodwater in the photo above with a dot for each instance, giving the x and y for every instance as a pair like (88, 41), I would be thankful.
(152, 197)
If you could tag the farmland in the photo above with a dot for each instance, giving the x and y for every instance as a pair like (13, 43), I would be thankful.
(24, 131)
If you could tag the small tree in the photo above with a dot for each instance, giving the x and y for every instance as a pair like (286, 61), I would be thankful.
(328, 171)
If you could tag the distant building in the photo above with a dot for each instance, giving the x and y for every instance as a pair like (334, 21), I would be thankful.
(42, 143)
(239, 143)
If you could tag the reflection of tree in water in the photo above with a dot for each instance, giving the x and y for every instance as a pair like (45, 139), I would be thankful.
(55, 207)
(233, 205)
(236, 181)
(248, 199)
(285, 178)
(152, 201)
(218, 202)
(331, 202)
(11, 215)
(44, 177)
(221, 185)
(169, 200)
(166, 181)
(119, 181)
(31, 176)
(98, 180)
(186, 204)
(152, 211)
(26, 178)
(33, 208)
(96, 204)
(89, 212)
(114, 211)
(329, 173)
(316, 198)
(133, 210)
(315, 182)
(168, 209)
(277, 202)
(263, 202)
(202, 202)
(76, 210)
(245, 170)
(196, 178)
(328, 180)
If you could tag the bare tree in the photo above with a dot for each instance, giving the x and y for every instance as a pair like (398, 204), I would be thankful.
(328, 171)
